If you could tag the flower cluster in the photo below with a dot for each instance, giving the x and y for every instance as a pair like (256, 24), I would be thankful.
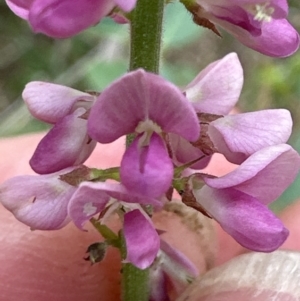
(170, 129)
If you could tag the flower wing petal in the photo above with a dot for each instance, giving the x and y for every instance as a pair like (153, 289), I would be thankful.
(37, 201)
(239, 136)
(264, 175)
(63, 146)
(248, 221)
(142, 240)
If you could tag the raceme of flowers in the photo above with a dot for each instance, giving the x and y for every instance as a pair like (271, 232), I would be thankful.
(260, 25)
(170, 128)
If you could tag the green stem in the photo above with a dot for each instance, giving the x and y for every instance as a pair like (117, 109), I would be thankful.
(146, 30)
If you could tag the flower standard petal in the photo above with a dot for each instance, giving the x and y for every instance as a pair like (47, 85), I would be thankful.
(239, 136)
(264, 175)
(142, 240)
(50, 102)
(217, 88)
(62, 19)
(147, 169)
(248, 221)
(37, 201)
(140, 96)
(65, 145)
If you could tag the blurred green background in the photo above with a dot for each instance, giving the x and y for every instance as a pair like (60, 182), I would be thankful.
(91, 60)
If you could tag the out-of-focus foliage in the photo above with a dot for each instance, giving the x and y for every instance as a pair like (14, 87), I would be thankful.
(91, 60)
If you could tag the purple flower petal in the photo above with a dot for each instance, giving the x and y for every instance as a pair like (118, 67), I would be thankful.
(37, 201)
(148, 169)
(264, 175)
(217, 88)
(65, 145)
(140, 96)
(278, 38)
(239, 136)
(62, 19)
(248, 221)
(20, 7)
(142, 240)
(50, 102)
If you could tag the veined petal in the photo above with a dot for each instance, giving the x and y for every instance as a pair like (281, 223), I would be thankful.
(140, 96)
(147, 169)
(248, 221)
(217, 88)
(65, 145)
(126, 5)
(20, 7)
(264, 175)
(63, 19)
(142, 240)
(239, 136)
(37, 201)
(50, 102)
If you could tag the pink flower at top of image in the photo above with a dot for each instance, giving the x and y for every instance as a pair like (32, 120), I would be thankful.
(258, 24)
(65, 18)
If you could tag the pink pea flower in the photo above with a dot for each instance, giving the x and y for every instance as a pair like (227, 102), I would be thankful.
(148, 106)
(238, 200)
(143, 244)
(259, 24)
(142, 240)
(67, 143)
(65, 18)
(215, 90)
(39, 202)
(214, 93)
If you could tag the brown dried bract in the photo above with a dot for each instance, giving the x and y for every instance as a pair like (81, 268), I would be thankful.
(76, 176)
(189, 200)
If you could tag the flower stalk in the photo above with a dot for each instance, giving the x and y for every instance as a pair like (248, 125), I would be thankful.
(145, 44)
